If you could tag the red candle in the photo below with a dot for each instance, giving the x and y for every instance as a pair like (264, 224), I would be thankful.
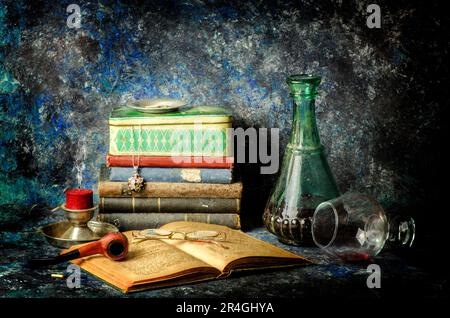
(79, 199)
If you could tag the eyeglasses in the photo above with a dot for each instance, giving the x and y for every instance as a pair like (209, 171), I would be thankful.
(213, 237)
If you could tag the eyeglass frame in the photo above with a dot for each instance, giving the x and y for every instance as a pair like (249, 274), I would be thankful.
(185, 236)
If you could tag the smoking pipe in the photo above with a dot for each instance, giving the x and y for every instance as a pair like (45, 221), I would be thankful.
(112, 245)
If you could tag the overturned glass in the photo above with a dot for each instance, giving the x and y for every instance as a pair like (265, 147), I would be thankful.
(354, 227)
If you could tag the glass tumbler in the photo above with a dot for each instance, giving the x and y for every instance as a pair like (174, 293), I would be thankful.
(355, 227)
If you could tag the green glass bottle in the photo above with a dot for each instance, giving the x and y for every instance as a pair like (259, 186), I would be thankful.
(305, 179)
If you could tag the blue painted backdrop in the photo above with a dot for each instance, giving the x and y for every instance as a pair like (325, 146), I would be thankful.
(378, 111)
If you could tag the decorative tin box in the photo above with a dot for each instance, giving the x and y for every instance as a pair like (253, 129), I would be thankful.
(194, 131)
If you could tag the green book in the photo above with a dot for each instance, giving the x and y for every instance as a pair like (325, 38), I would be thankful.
(141, 221)
(169, 205)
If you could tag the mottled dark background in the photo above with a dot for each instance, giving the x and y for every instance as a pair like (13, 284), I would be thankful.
(379, 111)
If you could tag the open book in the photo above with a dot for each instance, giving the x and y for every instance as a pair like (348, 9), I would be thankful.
(161, 263)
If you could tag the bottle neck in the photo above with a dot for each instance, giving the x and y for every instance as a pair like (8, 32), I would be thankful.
(305, 135)
(402, 231)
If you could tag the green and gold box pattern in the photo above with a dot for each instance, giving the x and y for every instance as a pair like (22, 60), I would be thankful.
(176, 141)
(191, 131)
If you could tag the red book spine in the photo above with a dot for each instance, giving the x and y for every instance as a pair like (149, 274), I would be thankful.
(170, 162)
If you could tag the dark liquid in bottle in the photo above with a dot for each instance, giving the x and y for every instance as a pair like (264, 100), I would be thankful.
(295, 230)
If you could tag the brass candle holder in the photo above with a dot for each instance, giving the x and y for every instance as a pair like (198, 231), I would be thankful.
(76, 229)
(78, 219)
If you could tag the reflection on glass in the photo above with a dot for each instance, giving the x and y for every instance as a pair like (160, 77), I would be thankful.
(355, 227)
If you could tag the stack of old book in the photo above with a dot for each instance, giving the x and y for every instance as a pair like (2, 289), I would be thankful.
(183, 157)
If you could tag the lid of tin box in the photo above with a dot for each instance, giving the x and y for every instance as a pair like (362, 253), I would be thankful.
(124, 116)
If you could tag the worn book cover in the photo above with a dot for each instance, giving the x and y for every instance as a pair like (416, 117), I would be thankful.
(162, 263)
(169, 205)
(139, 221)
(169, 190)
(114, 189)
(193, 131)
(172, 174)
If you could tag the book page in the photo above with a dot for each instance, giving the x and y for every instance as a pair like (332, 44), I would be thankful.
(236, 246)
(147, 261)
